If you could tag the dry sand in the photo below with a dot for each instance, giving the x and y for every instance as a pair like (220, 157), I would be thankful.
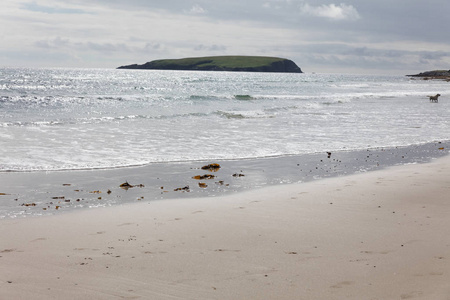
(379, 235)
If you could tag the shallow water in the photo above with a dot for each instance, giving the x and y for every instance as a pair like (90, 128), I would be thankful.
(72, 119)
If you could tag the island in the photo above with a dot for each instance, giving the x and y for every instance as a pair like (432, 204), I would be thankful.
(222, 63)
(436, 74)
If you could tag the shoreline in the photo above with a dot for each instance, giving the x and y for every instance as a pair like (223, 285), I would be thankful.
(26, 194)
(377, 235)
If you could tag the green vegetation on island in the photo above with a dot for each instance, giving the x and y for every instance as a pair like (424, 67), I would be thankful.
(222, 63)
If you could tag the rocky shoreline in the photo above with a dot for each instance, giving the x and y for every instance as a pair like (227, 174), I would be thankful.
(436, 74)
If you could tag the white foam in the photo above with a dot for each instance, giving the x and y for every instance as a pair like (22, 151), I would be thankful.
(80, 119)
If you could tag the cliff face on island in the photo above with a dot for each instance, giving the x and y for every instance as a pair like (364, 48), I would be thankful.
(222, 63)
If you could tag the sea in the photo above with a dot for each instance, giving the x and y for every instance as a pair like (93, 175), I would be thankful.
(70, 120)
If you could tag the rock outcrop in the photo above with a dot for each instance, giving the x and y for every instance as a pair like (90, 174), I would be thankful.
(436, 74)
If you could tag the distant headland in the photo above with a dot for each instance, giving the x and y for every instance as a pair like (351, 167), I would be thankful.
(436, 74)
(222, 63)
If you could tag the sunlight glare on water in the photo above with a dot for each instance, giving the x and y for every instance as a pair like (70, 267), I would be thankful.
(55, 119)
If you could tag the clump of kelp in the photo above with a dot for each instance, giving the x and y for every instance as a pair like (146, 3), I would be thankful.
(97, 196)
(211, 167)
(127, 186)
(214, 167)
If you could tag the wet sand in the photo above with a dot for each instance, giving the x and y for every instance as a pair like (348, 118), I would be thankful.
(46, 193)
(378, 235)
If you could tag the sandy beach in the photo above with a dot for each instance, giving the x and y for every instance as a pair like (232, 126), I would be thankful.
(379, 235)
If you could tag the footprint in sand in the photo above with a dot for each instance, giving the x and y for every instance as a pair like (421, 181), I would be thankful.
(436, 273)
(7, 250)
(373, 252)
(125, 224)
(98, 232)
(341, 284)
(39, 239)
(411, 295)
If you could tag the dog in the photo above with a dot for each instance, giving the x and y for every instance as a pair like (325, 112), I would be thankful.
(434, 98)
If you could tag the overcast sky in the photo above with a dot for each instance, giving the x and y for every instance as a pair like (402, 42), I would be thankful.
(352, 36)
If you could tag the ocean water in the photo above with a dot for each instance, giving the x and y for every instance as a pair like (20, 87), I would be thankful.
(76, 119)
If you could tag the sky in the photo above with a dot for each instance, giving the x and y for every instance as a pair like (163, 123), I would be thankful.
(353, 36)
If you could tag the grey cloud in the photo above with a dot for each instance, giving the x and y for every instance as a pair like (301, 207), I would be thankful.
(55, 43)
(210, 48)
(60, 44)
(152, 46)
(387, 20)
(105, 47)
(33, 6)
(436, 55)
(150, 50)
(349, 50)
(347, 56)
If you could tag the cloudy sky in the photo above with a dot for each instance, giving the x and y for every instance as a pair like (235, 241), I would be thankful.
(352, 36)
